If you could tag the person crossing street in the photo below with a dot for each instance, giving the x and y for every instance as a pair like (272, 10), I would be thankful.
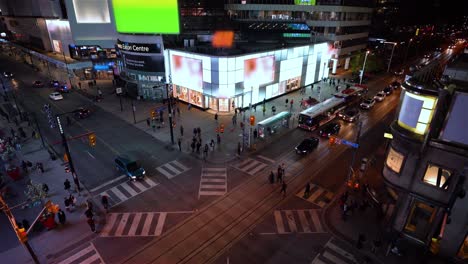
(284, 186)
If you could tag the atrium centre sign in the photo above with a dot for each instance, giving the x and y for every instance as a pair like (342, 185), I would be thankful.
(138, 47)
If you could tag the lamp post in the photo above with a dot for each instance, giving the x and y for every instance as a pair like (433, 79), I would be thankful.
(67, 151)
(391, 56)
(363, 67)
(407, 49)
(66, 67)
(169, 109)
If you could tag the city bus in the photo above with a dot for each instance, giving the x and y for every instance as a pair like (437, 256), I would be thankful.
(322, 113)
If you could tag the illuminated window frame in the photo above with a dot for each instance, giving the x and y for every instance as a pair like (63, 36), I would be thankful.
(400, 159)
(439, 181)
(425, 116)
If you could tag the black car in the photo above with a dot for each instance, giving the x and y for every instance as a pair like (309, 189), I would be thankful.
(330, 129)
(7, 74)
(82, 112)
(62, 89)
(395, 85)
(38, 84)
(388, 90)
(307, 145)
(349, 114)
(54, 84)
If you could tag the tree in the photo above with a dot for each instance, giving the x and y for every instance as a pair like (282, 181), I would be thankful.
(35, 192)
(374, 63)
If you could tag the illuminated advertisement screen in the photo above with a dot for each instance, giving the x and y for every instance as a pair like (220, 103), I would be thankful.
(416, 112)
(146, 16)
(259, 70)
(187, 72)
(304, 2)
(91, 12)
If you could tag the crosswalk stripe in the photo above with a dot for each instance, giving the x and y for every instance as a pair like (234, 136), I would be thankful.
(340, 251)
(172, 168)
(134, 227)
(164, 172)
(122, 224)
(303, 221)
(90, 260)
(147, 224)
(139, 186)
(180, 165)
(119, 194)
(212, 180)
(317, 261)
(159, 226)
(279, 222)
(150, 182)
(109, 224)
(258, 168)
(129, 189)
(215, 169)
(291, 221)
(212, 193)
(316, 220)
(250, 166)
(77, 255)
(316, 194)
(332, 258)
(265, 158)
(244, 162)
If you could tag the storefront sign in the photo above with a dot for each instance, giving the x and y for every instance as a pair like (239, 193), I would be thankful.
(138, 47)
(144, 63)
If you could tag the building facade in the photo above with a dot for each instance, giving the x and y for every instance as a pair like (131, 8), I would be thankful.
(343, 23)
(426, 167)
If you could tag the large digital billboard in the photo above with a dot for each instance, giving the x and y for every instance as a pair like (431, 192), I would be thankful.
(304, 2)
(416, 112)
(259, 71)
(91, 12)
(146, 16)
(187, 72)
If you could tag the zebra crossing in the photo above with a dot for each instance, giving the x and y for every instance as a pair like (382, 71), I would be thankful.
(213, 181)
(85, 256)
(298, 221)
(252, 166)
(172, 169)
(134, 224)
(318, 195)
(126, 190)
(335, 252)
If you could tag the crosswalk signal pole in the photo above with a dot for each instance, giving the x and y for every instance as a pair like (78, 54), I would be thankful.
(67, 151)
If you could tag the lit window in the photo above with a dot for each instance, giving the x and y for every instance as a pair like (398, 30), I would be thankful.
(437, 176)
(394, 160)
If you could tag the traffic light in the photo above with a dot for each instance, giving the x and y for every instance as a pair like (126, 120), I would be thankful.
(332, 140)
(22, 235)
(92, 139)
(153, 114)
(252, 120)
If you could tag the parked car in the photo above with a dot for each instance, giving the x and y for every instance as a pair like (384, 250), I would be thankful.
(395, 85)
(82, 112)
(56, 96)
(329, 129)
(380, 96)
(54, 84)
(130, 168)
(349, 114)
(8, 75)
(38, 84)
(62, 89)
(307, 145)
(388, 90)
(367, 103)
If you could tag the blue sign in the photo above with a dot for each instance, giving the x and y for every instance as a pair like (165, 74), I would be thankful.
(349, 143)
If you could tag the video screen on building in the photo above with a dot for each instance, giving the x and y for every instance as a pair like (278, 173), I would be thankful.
(146, 16)
(259, 70)
(187, 72)
(416, 112)
(456, 126)
(304, 2)
(91, 12)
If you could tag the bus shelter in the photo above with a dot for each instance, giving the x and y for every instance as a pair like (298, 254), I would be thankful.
(274, 124)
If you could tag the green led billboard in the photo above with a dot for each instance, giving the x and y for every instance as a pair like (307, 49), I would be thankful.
(146, 16)
(304, 2)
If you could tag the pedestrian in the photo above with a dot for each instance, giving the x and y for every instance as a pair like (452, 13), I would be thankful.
(178, 111)
(199, 131)
(286, 105)
(72, 200)
(336, 88)
(92, 225)
(280, 175)
(89, 204)
(79, 84)
(189, 107)
(89, 213)
(216, 117)
(179, 142)
(61, 217)
(255, 108)
(307, 190)
(239, 148)
(153, 125)
(148, 122)
(193, 145)
(218, 139)
(291, 103)
(273, 109)
(283, 170)
(255, 133)
(198, 147)
(45, 188)
(24, 166)
(284, 186)
(272, 177)
(67, 185)
(33, 134)
(105, 202)
(94, 81)
(181, 131)
(212, 144)
(205, 151)
(264, 110)
(66, 202)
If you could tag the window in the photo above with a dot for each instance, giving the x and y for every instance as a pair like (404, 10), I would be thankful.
(420, 220)
(437, 176)
(394, 160)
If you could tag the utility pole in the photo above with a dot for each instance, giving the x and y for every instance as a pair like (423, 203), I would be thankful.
(363, 67)
(20, 232)
(391, 56)
(67, 151)
(169, 108)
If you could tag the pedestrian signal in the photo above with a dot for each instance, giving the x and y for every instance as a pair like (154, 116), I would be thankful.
(153, 114)
(92, 139)
(252, 120)
(22, 235)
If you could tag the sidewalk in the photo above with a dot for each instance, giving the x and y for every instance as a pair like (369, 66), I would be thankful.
(44, 243)
(372, 223)
(190, 119)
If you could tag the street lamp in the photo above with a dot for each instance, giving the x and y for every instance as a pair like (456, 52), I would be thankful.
(67, 151)
(363, 67)
(391, 56)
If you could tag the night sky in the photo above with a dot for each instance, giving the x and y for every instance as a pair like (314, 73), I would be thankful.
(432, 11)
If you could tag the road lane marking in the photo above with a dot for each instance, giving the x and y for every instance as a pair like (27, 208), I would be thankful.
(90, 155)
